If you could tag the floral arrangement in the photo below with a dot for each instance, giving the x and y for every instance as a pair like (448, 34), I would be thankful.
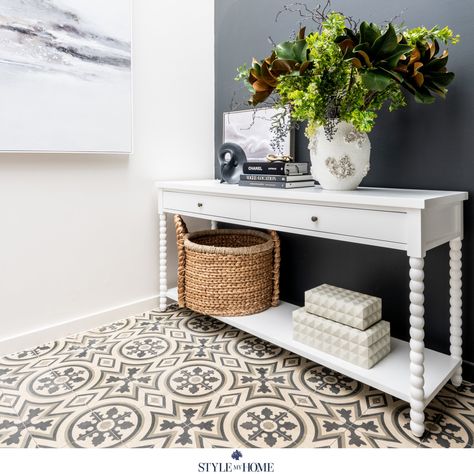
(346, 71)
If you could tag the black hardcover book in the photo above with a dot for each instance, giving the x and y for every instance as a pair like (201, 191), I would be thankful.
(276, 168)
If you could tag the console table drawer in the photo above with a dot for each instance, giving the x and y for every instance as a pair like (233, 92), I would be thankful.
(214, 206)
(364, 223)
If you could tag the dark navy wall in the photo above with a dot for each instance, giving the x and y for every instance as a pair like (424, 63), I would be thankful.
(424, 147)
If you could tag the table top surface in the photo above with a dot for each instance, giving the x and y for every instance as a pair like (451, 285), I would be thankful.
(377, 197)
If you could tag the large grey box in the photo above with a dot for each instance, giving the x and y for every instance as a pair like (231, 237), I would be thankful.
(362, 348)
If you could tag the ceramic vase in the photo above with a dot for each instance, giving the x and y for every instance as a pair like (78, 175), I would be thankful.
(342, 162)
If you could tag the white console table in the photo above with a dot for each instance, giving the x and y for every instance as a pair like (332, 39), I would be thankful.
(414, 221)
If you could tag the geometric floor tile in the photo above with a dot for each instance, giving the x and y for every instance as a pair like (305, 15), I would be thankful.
(13, 432)
(269, 425)
(443, 429)
(328, 383)
(228, 400)
(185, 425)
(176, 379)
(106, 426)
(263, 379)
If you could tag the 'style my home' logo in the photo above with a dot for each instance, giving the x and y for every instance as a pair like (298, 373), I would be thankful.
(239, 466)
(237, 455)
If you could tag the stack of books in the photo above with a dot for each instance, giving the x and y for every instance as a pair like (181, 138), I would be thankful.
(276, 175)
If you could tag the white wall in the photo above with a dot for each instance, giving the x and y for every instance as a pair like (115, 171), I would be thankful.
(78, 234)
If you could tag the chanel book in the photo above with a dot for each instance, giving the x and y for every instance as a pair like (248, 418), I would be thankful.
(276, 168)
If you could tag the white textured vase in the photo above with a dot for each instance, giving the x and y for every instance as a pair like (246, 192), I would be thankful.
(342, 163)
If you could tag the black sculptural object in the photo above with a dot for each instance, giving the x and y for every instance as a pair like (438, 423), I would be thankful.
(232, 167)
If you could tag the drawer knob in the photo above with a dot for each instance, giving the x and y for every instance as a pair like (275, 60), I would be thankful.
(314, 219)
(199, 204)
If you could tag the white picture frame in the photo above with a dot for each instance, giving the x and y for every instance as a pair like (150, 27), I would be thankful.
(76, 97)
(251, 129)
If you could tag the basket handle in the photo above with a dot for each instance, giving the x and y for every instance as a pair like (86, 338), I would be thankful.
(276, 267)
(181, 231)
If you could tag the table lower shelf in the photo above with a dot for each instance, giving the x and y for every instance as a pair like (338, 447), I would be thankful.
(391, 375)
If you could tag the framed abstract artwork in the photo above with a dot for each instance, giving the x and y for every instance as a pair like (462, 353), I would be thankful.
(65, 67)
(252, 130)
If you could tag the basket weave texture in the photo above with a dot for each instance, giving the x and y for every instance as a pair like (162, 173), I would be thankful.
(227, 272)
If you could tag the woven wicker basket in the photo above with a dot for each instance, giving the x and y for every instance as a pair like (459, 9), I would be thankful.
(227, 272)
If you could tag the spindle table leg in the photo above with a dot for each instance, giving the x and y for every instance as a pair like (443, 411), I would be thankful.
(163, 263)
(417, 347)
(455, 320)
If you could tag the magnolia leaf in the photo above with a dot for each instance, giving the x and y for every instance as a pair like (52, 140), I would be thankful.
(423, 96)
(442, 78)
(436, 64)
(414, 56)
(292, 50)
(356, 63)
(354, 37)
(300, 50)
(386, 43)
(409, 87)
(267, 76)
(394, 74)
(365, 56)
(361, 47)
(257, 68)
(349, 54)
(259, 97)
(364, 26)
(283, 66)
(417, 66)
(346, 45)
(393, 59)
(253, 76)
(368, 33)
(375, 80)
(302, 33)
(270, 59)
(249, 87)
(432, 49)
(419, 79)
(438, 90)
(260, 86)
(285, 50)
(340, 38)
(402, 68)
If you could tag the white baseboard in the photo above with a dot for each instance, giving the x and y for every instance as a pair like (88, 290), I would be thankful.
(83, 323)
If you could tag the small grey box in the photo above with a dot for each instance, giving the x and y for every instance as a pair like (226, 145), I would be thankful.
(344, 306)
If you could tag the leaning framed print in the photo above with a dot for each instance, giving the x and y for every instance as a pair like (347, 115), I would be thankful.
(253, 131)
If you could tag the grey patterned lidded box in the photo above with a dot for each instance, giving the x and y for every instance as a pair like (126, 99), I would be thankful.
(362, 348)
(344, 306)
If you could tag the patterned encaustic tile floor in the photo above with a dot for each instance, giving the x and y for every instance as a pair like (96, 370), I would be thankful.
(177, 379)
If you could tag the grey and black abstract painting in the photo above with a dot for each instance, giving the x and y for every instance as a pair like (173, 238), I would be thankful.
(65, 76)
